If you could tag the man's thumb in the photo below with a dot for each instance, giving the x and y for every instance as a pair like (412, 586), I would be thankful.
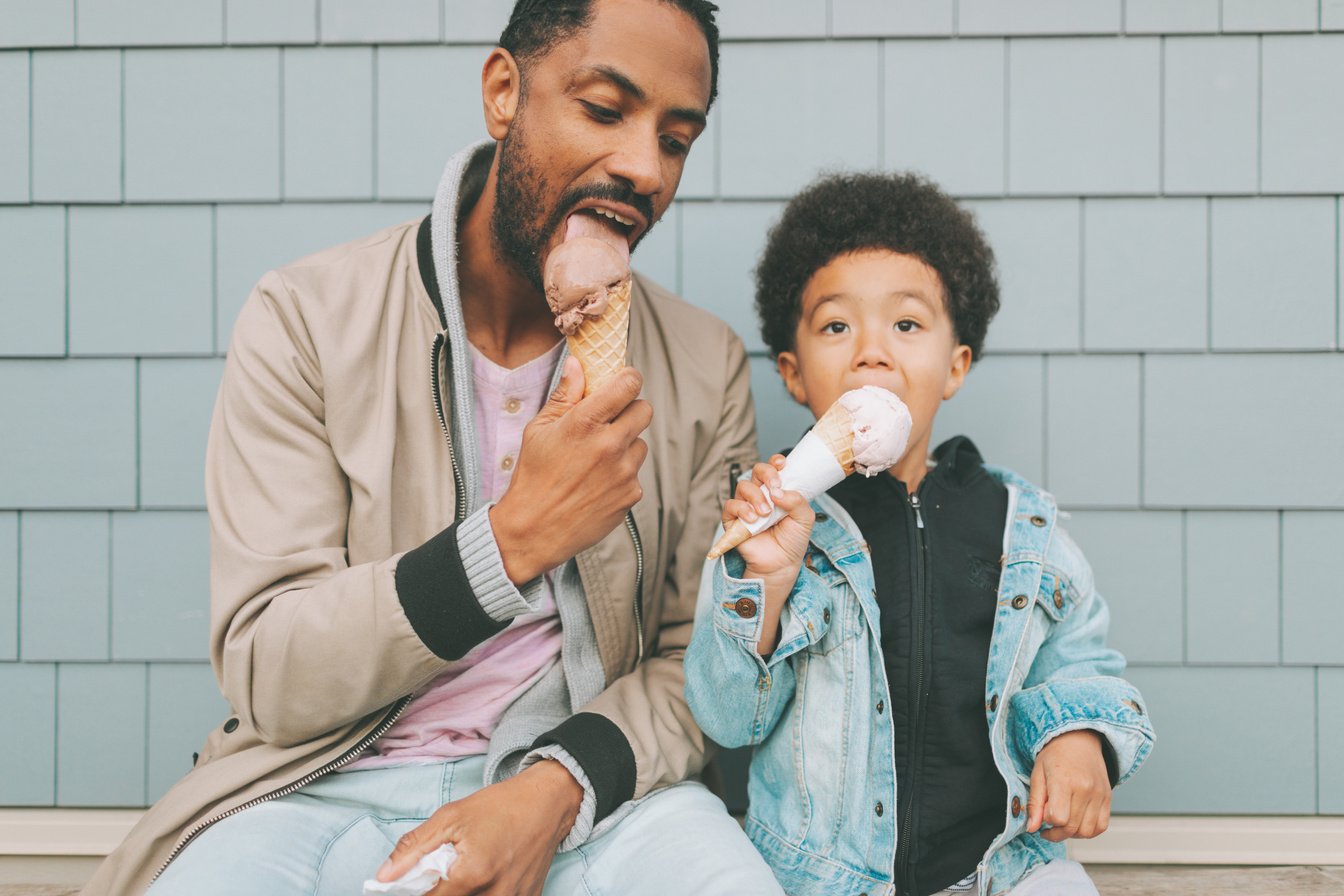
(567, 392)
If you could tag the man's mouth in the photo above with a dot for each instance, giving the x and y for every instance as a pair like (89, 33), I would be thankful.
(606, 224)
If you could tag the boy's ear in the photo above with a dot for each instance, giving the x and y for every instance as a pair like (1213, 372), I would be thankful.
(956, 374)
(787, 365)
(501, 87)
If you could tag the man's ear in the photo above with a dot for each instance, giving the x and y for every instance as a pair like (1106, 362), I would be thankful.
(956, 374)
(501, 87)
(787, 365)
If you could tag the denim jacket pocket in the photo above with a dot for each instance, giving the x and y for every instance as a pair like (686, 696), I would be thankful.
(831, 615)
(1055, 596)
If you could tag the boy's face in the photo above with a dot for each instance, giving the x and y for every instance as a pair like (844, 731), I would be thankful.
(877, 318)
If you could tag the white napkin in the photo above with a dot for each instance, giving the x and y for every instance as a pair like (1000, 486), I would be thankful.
(427, 872)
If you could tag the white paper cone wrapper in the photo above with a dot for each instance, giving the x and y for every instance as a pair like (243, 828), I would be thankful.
(810, 470)
(422, 878)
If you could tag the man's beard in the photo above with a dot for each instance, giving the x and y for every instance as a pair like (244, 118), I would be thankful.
(520, 224)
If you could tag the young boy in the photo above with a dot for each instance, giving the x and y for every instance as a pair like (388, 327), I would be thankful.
(919, 657)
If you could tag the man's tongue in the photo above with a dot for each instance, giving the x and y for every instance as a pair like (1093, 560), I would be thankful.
(590, 225)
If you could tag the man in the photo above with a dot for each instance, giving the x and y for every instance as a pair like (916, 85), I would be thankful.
(484, 622)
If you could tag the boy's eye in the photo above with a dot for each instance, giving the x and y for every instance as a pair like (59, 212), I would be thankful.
(906, 326)
(835, 326)
(601, 113)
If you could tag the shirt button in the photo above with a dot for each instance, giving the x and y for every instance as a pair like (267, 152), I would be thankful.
(512, 405)
(1017, 806)
(878, 810)
(507, 463)
(745, 607)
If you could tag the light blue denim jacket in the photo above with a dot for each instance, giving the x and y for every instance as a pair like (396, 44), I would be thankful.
(822, 786)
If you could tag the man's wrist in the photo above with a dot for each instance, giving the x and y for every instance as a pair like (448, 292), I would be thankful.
(563, 788)
(519, 565)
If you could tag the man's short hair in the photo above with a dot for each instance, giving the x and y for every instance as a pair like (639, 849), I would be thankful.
(904, 213)
(536, 26)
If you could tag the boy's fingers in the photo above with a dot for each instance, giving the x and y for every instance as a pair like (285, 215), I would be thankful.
(1036, 799)
(766, 475)
(777, 461)
(754, 495)
(796, 506)
(734, 509)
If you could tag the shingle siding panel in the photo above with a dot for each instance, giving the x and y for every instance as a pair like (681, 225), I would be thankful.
(64, 586)
(1330, 724)
(177, 398)
(1001, 406)
(720, 244)
(202, 124)
(765, 154)
(1211, 115)
(28, 705)
(953, 134)
(1095, 131)
(9, 586)
(329, 123)
(140, 280)
(882, 18)
(1313, 596)
(359, 22)
(184, 705)
(70, 427)
(149, 22)
(1232, 587)
(100, 750)
(1038, 17)
(771, 19)
(271, 21)
(37, 23)
(14, 126)
(32, 271)
(160, 585)
(478, 21)
(77, 126)
(1170, 16)
(1092, 404)
(1302, 120)
(1278, 15)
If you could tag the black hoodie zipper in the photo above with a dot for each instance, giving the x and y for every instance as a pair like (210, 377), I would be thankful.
(919, 612)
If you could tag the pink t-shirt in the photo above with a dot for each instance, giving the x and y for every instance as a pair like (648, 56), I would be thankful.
(457, 713)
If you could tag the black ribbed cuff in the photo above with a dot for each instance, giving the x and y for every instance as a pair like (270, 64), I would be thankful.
(437, 598)
(607, 759)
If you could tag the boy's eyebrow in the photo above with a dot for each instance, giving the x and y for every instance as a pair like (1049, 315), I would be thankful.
(624, 83)
(917, 295)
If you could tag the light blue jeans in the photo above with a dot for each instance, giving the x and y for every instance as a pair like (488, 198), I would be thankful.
(330, 837)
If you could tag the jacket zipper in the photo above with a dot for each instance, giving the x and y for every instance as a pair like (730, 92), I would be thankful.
(307, 779)
(400, 706)
(919, 621)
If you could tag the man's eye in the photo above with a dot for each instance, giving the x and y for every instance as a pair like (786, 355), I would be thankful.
(835, 326)
(601, 113)
(675, 146)
(907, 326)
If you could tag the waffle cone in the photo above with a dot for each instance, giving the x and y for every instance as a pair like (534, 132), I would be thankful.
(836, 429)
(599, 343)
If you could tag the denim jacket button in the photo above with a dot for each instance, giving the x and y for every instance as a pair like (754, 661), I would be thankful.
(1019, 602)
(881, 705)
(745, 607)
(1017, 806)
(878, 810)
(993, 702)
(1059, 600)
(1038, 521)
(826, 616)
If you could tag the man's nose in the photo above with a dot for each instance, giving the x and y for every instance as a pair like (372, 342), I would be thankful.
(638, 161)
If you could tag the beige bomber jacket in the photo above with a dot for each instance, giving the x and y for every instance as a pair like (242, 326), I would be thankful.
(338, 586)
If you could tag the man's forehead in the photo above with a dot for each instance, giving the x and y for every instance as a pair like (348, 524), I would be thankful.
(644, 44)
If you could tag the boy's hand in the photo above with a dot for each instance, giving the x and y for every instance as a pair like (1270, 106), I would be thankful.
(778, 551)
(1070, 789)
(776, 554)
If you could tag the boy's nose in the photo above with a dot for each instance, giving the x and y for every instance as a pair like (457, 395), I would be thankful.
(873, 353)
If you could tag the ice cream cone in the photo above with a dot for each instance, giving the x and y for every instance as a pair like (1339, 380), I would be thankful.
(833, 434)
(600, 342)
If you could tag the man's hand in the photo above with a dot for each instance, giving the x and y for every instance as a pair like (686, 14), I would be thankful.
(1070, 790)
(577, 473)
(505, 834)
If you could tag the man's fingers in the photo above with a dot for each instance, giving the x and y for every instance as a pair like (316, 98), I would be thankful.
(632, 420)
(1036, 799)
(568, 392)
(410, 847)
(613, 396)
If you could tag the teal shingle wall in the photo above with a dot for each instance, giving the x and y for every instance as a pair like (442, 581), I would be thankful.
(1160, 180)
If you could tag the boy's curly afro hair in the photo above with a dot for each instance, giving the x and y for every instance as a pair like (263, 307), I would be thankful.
(905, 213)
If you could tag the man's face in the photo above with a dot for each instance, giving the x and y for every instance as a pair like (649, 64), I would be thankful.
(602, 130)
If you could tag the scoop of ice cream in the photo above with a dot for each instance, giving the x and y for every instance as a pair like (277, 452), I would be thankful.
(881, 427)
(579, 273)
